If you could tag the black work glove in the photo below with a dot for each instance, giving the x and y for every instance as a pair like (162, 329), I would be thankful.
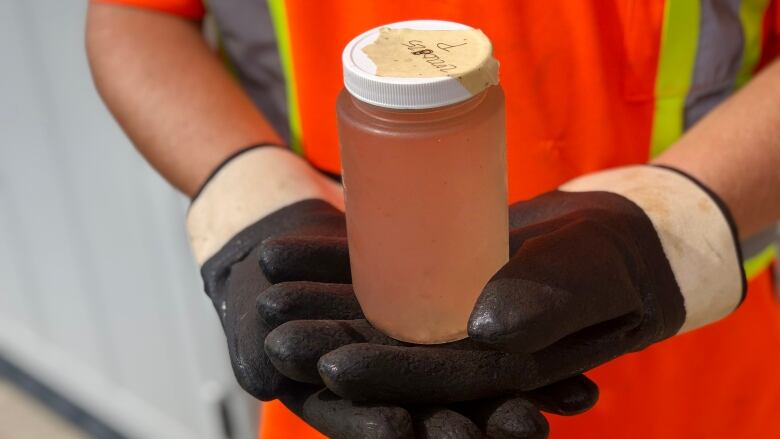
(499, 418)
(233, 226)
(298, 340)
(623, 259)
(234, 280)
(256, 196)
(297, 242)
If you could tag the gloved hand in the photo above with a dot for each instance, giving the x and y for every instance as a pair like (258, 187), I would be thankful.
(499, 418)
(260, 194)
(298, 339)
(612, 262)
(251, 212)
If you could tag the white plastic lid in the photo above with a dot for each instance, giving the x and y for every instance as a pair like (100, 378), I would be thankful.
(419, 64)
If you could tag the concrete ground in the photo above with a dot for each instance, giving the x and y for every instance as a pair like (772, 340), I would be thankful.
(23, 417)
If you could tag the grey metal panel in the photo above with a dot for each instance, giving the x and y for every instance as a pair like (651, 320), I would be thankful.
(37, 209)
(99, 297)
(16, 304)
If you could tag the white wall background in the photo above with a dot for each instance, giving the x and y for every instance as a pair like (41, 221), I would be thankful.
(99, 297)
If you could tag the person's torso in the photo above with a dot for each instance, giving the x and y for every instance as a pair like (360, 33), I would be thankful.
(589, 85)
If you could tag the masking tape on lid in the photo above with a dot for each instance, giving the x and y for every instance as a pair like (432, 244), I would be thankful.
(465, 55)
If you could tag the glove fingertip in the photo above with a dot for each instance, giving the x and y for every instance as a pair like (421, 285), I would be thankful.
(339, 418)
(488, 326)
(295, 347)
(340, 370)
(289, 355)
(274, 255)
(288, 301)
(311, 258)
(568, 397)
(517, 419)
(516, 315)
(273, 305)
(444, 423)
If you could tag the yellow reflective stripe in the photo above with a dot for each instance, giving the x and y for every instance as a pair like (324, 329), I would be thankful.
(751, 14)
(278, 12)
(677, 56)
(759, 262)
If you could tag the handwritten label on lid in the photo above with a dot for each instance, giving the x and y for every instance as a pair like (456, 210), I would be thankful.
(465, 55)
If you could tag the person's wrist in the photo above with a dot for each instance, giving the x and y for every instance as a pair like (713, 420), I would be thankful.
(696, 233)
(249, 185)
(228, 157)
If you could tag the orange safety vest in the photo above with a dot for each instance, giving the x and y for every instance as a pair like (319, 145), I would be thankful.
(589, 85)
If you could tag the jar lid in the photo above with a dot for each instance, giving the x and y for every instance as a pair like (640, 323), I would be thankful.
(419, 64)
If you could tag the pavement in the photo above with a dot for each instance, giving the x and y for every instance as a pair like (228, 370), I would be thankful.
(23, 417)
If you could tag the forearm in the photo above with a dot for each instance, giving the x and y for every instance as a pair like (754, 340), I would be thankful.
(735, 151)
(170, 92)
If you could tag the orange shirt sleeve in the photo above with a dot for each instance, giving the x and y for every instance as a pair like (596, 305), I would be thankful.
(185, 8)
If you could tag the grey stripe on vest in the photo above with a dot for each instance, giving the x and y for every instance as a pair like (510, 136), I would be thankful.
(718, 58)
(757, 243)
(247, 34)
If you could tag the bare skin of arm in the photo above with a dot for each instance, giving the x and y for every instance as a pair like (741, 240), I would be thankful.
(170, 92)
(735, 151)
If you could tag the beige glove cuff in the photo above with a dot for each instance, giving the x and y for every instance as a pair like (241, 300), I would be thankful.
(248, 187)
(695, 233)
